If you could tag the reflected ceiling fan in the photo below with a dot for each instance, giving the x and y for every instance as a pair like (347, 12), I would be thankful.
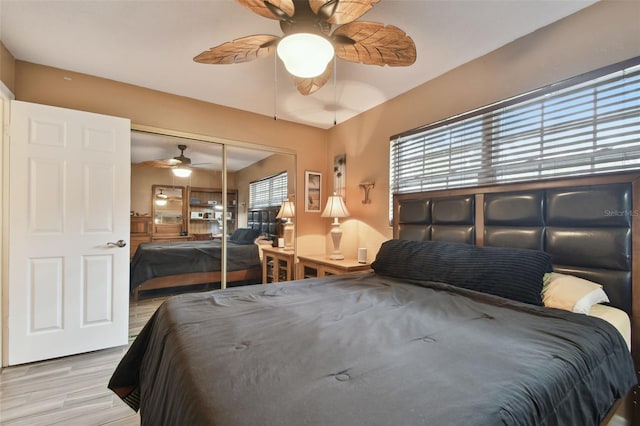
(180, 165)
(161, 198)
(309, 46)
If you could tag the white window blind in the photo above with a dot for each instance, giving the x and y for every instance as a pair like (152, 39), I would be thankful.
(268, 192)
(586, 125)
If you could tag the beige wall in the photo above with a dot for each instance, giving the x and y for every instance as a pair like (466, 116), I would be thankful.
(7, 68)
(603, 34)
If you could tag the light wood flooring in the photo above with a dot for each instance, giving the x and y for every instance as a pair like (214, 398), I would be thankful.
(71, 390)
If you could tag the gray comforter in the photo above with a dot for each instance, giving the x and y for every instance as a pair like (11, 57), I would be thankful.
(153, 260)
(364, 349)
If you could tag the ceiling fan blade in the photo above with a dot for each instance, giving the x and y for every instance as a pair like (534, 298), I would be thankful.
(341, 11)
(275, 9)
(307, 86)
(243, 49)
(373, 43)
(169, 162)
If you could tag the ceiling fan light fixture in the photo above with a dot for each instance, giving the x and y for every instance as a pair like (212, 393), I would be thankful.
(181, 171)
(161, 198)
(305, 55)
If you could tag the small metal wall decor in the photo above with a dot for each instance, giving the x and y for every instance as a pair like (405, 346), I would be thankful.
(339, 175)
(367, 186)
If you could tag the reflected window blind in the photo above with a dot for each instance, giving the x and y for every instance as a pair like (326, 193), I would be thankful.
(585, 127)
(268, 192)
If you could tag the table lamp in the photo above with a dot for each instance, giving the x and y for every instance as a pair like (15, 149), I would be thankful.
(287, 211)
(335, 208)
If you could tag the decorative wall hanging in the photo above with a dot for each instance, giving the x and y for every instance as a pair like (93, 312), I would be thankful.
(312, 187)
(339, 176)
(367, 186)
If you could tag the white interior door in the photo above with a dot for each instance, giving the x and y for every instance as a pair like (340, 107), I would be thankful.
(69, 189)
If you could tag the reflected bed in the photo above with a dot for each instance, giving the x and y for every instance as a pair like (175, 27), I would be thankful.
(163, 265)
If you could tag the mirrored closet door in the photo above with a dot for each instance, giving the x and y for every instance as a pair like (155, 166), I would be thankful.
(230, 196)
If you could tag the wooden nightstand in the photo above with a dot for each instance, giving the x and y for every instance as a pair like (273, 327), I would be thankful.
(312, 266)
(277, 265)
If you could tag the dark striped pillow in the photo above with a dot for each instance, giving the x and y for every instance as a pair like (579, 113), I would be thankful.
(244, 235)
(506, 272)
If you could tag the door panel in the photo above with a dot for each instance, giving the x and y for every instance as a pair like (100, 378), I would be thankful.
(45, 296)
(69, 195)
(97, 289)
(99, 197)
(45, 187)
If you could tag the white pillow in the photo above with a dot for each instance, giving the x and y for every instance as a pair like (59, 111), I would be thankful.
(262, 240)
(571, 293)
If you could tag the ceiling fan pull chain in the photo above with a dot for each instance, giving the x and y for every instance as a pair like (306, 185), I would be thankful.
(275, 87)
(335, 96)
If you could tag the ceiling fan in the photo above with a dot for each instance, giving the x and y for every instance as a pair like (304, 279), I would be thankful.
(180, 165)
(161, 198)
(370, 43)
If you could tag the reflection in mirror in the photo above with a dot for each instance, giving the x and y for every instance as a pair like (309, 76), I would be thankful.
(263, 186)
(215, 214)
(168, 210)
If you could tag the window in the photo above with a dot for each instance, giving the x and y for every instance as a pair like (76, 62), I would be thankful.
(268, 192)
(586, 125)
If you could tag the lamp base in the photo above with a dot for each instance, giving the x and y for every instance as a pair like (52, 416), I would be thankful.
(288, 236)
(336, 235)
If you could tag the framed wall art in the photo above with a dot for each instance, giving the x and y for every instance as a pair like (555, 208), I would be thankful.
(312, 185)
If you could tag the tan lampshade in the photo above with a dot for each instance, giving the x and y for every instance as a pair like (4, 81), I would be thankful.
(335, 207)
(287, 210)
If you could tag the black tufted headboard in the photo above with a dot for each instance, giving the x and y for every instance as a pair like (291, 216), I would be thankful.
(437, 219)
(264, 220)
(586, 224)
(586, 229)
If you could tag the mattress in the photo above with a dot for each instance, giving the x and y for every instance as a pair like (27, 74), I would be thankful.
(616, 317)
(365, 349)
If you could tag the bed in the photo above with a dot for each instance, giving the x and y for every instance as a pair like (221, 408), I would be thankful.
(450, 327)
(176, 264)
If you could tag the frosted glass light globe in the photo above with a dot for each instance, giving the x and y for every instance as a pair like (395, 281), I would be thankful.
(181, 171)
(305, 55)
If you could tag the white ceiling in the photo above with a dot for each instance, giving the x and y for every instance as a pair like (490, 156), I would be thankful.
(152, 43)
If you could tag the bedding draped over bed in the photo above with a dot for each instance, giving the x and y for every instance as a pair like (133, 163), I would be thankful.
(368, 349)
(153, 260)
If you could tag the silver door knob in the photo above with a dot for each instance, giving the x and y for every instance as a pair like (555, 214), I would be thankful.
(119, 243)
